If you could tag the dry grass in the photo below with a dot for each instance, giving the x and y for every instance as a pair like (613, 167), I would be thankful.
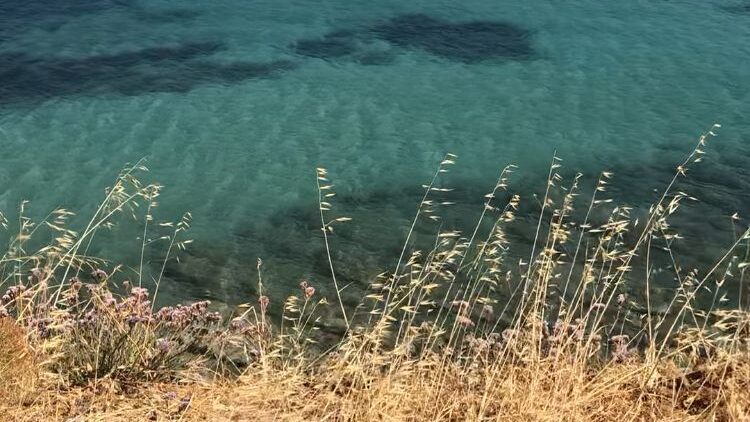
(18, 368)
(451, 333)
(418, 391)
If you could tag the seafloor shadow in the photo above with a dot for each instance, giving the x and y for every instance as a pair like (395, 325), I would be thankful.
(26, 9)
(177, 68)
(162, 16)
(18, 16)
(28, 78)
(334, 44)
(466, 42)
(741, 9)
(291, 244)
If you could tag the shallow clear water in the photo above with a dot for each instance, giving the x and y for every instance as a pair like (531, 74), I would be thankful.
(234, 104)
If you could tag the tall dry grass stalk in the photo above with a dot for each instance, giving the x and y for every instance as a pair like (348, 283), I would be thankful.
(457, 331)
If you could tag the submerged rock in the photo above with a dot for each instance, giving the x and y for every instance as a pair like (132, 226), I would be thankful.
(466, 41)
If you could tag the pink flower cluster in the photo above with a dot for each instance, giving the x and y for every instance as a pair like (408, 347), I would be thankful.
(183, 316)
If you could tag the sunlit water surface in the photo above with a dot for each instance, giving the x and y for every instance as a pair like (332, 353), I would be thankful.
(234, 104)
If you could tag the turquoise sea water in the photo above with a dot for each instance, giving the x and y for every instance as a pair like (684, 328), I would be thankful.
(235, 103)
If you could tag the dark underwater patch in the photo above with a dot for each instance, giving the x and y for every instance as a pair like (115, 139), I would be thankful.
(19, 16)
(175, 68)
(332, 45)
(158, 69)
(468, 42)
(375, 57)
(166, 15)
(30, 9)
(740, 9)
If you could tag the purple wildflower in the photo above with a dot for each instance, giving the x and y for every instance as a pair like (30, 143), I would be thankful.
(184, 403)
(139, 293)
(133, 319)
(36, 275)
(309, 292)
(99, 274)
(237, 324)
(163, 345)
(14, 292)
